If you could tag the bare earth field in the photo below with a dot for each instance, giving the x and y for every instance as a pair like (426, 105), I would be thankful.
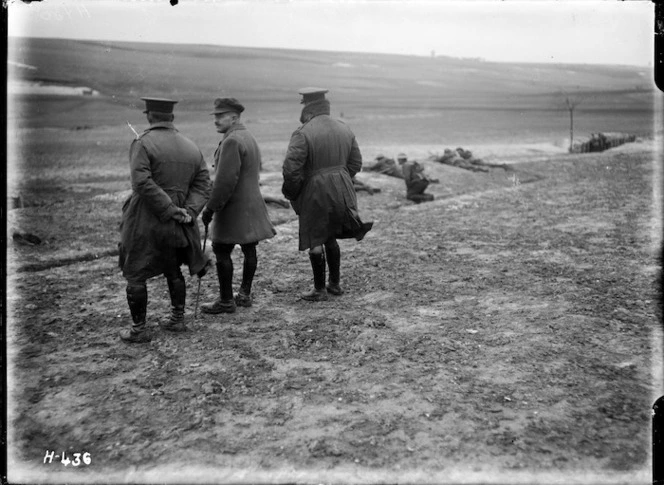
(505, 333)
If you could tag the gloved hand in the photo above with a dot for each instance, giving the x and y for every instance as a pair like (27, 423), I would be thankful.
(206, 216)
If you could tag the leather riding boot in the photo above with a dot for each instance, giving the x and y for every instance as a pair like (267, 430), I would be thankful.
(137, 298)
(333, 255)
(225, 275)
(225, 303)
(178, 291)
(319, 293)
(243, 297)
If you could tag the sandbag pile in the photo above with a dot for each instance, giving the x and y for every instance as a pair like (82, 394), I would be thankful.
(460, 158)
(598, 142)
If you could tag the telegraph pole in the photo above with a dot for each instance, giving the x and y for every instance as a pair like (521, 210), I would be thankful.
(570, 107)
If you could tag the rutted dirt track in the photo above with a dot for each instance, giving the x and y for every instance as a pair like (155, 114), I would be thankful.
(506, 332)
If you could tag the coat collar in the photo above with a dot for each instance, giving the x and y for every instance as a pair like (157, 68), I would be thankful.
(168, 125)
(313, 109)
(235, 127)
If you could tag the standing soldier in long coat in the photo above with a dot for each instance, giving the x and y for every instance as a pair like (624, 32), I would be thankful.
(158, 232)
(321, 160)
(236, 205)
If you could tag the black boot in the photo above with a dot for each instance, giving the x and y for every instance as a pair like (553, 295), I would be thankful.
(243, 297)
(137, 298)
(319, 293)
(225, 303)
(178, 291)
(333, 255)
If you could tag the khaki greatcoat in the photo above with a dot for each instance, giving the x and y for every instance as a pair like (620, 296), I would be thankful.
(240, 215)
(167, 171)
(322, 157)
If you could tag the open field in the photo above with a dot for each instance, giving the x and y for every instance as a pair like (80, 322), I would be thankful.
(506, 332)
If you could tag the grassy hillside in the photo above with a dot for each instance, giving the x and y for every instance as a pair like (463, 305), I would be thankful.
(195, 73)
(390, 101)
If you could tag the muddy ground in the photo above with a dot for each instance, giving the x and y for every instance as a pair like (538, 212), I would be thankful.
(506, 332)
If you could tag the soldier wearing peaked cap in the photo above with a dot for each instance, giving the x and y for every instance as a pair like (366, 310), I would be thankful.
(321, 160)
(309, 95)
(236, 206)
(159, 105)
(170, 185)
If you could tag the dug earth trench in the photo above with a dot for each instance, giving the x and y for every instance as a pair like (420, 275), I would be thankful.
(507, 331)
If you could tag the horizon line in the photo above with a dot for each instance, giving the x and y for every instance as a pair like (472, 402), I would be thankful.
(291, 49)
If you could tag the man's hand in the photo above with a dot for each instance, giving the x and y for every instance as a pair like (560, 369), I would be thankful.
(206, 216)
(182, 216)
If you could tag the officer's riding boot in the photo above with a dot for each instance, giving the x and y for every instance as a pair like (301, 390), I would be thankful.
(334, 265)
(137, 298)
(225, 303)
(178, 291)
(319, 293)
(243, 297)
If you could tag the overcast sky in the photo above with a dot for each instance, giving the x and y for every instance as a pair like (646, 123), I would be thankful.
(576, 31)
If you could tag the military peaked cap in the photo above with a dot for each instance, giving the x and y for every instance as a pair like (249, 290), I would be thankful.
(159, 105)
(224, 105)
(312, 94)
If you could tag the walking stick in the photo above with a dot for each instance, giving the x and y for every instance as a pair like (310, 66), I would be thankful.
(132, 129)
(198, 291)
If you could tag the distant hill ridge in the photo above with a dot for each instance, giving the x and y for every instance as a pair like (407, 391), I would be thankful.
(126, 70)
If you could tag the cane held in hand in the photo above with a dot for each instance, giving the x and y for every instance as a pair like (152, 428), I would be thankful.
(132, 129)
(198, 291)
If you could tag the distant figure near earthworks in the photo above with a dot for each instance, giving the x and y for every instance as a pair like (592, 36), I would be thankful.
(464, 159)
(416, 181)
(360, 186)
(386, 166)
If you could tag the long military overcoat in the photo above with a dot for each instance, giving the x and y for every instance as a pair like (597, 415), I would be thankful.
(167, 171)
(240, 215)
(321, 159)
